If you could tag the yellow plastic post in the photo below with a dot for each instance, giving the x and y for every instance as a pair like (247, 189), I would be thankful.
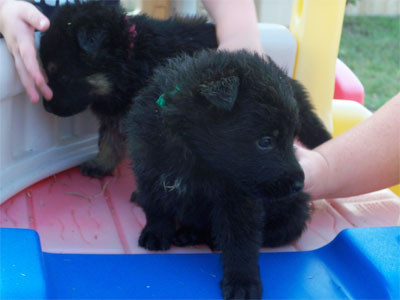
(317, 27)
(347, 114)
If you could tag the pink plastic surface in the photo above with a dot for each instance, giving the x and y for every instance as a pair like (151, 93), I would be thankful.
(76, 214)
(347, 85)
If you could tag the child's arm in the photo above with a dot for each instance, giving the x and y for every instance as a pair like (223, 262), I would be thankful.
(364, 159)
(236, 23)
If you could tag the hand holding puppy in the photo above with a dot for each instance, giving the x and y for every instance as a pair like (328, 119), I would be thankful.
(18, 20)
(361, 160)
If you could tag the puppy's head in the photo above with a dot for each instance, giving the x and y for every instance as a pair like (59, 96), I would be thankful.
(238, 115)
(78, 54)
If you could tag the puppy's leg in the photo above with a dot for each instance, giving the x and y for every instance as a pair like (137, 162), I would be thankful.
(194, 227)
(285, 219)
(158, 232)
(238, 233)
(312, 131)
(111, 151)
(160, 229)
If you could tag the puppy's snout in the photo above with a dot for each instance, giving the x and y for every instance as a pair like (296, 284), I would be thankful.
(286, 184)
(297, 181)
(47, 106)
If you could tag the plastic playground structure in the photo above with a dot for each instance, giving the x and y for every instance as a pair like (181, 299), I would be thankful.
(37, 151)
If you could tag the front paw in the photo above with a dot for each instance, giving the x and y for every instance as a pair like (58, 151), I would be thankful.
(92, 168)
(187, 237)
(241, 288)
(155, 239)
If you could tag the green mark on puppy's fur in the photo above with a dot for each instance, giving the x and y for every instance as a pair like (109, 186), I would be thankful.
(161, 100)
(100, 83)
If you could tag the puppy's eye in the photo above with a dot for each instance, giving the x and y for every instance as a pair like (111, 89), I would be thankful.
(265, 143)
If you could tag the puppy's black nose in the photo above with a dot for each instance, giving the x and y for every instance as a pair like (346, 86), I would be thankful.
(297, 186)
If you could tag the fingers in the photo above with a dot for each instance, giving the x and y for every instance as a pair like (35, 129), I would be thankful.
(35, 18)
(27, 53)
(303, 157)
(45, 89)
(26, 80)
(28, 66)
(316, 171)
(18, 20)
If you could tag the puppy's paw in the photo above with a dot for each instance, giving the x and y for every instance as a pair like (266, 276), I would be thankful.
(92, 168)
(153, 239)
(186, 237)
(288, 222)
(236, 288)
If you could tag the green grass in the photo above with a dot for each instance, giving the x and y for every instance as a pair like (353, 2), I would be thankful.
(370, 46)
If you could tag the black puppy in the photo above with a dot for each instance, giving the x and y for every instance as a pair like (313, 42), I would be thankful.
(211, 142)
(95, 56)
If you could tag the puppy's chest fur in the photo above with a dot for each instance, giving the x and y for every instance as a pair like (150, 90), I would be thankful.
(183, 184)
(191, 198)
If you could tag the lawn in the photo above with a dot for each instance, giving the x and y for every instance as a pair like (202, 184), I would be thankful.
(370, 46)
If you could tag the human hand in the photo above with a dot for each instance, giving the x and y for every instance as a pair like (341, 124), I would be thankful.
(316, 170)
(244, 41)
(18, 20)
(236, 24)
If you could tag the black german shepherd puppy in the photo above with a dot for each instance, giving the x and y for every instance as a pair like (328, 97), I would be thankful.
(97, 57)
(211, 142)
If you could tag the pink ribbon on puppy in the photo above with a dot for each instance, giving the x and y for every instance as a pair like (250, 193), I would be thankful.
(131, 34)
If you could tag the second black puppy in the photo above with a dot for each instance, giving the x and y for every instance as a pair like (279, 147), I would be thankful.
(97, 57)
(211, 141)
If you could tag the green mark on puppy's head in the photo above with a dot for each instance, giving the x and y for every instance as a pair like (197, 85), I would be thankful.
(161, 100)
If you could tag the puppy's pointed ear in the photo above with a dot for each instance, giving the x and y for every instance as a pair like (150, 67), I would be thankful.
(91, 40)
(222, 92)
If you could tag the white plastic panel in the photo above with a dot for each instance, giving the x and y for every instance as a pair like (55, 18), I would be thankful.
(280, 44)
(35, 144)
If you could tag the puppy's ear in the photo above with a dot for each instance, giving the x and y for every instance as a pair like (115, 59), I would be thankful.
(222, 93)
(90, 40)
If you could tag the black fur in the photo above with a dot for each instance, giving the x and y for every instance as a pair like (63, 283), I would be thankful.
(88, 57)
(215, 164)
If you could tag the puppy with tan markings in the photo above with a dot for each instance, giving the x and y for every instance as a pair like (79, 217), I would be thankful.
(97, 57)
